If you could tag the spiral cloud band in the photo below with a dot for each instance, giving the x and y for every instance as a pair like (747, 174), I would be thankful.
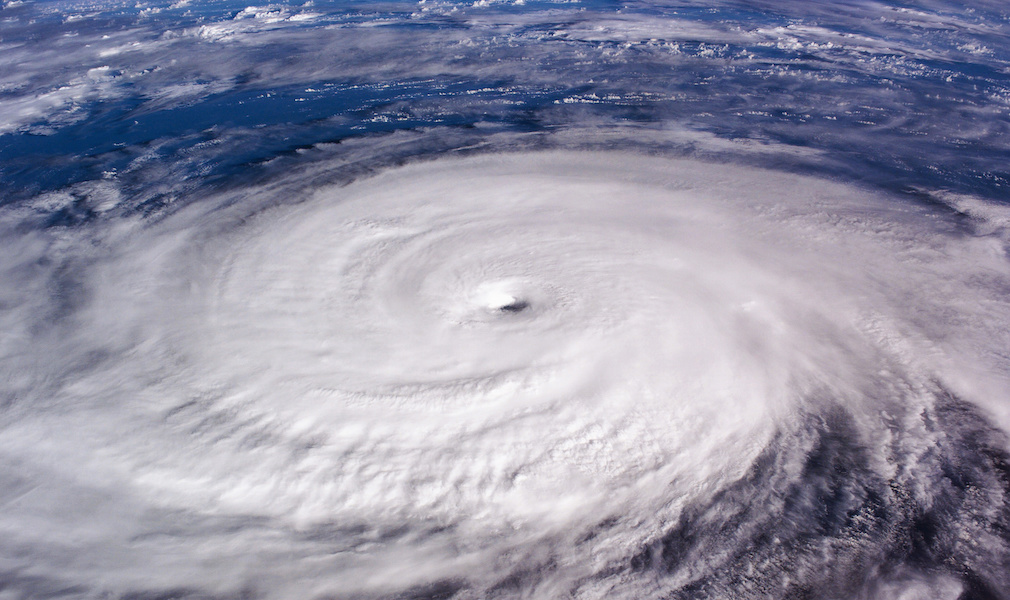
(530, 375)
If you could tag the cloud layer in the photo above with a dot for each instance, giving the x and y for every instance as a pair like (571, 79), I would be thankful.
(596, 374)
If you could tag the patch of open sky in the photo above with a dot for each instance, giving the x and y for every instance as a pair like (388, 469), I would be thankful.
(722, 15)
(324, 112)
(789, 80)
(185, 13)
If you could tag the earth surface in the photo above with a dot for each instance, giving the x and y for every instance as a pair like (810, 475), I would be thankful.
(530, 299)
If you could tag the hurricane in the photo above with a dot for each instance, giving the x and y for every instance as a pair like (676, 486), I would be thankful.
(449, 300)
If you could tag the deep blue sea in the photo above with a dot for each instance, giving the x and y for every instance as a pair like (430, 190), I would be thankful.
(517, 299)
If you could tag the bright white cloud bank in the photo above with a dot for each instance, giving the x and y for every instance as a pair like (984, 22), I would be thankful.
(504, 375)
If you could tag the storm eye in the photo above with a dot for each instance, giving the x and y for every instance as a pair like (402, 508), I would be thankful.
(498, 298)
(515, 306)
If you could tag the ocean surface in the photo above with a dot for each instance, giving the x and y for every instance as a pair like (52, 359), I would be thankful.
(505, 299)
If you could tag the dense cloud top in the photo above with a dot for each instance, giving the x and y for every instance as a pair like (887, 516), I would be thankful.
(542, 299)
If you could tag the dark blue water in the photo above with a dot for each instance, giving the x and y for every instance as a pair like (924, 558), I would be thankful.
(889, 94)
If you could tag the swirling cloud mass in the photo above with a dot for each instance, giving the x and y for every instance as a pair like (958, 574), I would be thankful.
(504, 300)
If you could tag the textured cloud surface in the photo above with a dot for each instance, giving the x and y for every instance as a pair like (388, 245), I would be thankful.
(445, 300)
(599, 374)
